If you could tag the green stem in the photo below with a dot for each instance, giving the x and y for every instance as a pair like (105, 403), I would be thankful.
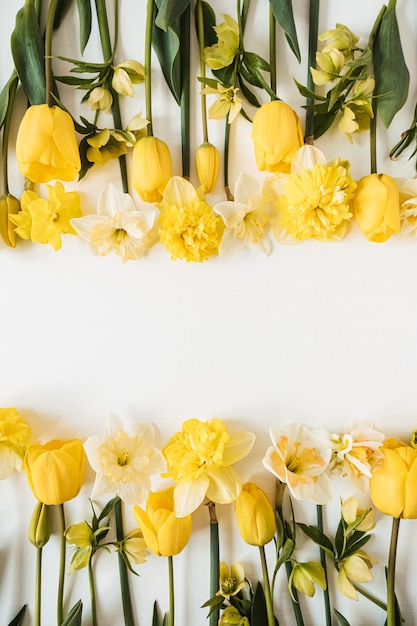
(203, 99)
(214, 559)
(61, 578)
(4, 178)
(313, 33)
(372, 139)
(171, 591)
(48, 50)
(185, 90)
(273, 49)
(327, 608)
(391, 572)
(92, 592)
(124, 581)
(288, 568)
(371, 597)
(148, 65)
(38, 594)
(267, 588)
(229, 194)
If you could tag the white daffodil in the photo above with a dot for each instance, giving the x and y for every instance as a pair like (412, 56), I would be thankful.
(299, 458)
(408, 207)
(124, 459)
(118, 226)
(246, 218)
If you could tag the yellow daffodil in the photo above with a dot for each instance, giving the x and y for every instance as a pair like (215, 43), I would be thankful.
(189, 228)
(304, 575)
(124, 460)
(377, 207)
(105, 145)
(255, 515)
(246, 218)
(100, 99)
(299, 458)
(9, 205)
(393, 485)
(331, 64)
(127, 74)
(151, 168)
(45, 220)
(340, 38)
(232, 579)
(117, 227)
(163, 532)
(14, 438)
(46, 145)
(207, 160)
(408, 207)
(55, 470)
(231, 617)
(228, 102)
(200, 460)
(354, 569)
(276, 136)
(224, 51)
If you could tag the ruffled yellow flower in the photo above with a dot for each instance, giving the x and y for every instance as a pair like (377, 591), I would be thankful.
(377, 207)
(105, 145)
(189, 227)
(224, 51)
(408, 207)
(45, 220)
(14, 438)
(200, 460)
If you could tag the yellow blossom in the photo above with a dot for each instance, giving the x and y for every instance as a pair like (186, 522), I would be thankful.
(232, 579)
(228, 102)
(189, 228)
(105, 145)
(224, 51)
(231, 617)
(355, 518)
(354, 569)
(134, 547)
(151, 168)
(14, 438)
(125, 75)
(207, 160)
(357, 111)
(331, 64)
(9, 205)
(100, 99)
(255, 515)
(304, 575)
(340, 38)
(377, 207)
(408, 207)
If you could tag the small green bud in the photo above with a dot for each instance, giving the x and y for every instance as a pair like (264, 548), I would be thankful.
(40, 526)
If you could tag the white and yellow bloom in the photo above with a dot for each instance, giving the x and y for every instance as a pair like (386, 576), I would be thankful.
(246, 218)
(118, 226)
(228, 102)
(124, 459)
(232, 579)
(408, 207)
(299, 458)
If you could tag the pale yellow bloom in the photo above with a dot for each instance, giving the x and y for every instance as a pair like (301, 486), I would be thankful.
(357, 111)
(355, 518)
(14, 438)
(354, 569)
(134, 547)
(224, 51)
(228, 102)
(105, 145)
(81, 536)
(304, 575)
(189, 228)
(331, 64)
(100, 99)
(231, 617)
(408, 207)
(232, 579)
(340, 38)
(200, 460)
(125, 75)
(9, 205)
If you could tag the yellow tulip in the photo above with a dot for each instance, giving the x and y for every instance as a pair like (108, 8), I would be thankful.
(377, 207)
(55, 470)
(207, 160)
(46, 145)
(393, 485)
(255, 516)
(276, 135)
(163, 532)
(151, 168)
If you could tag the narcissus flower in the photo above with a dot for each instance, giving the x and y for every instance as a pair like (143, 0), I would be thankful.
(14, 439)
(255, 515)
(163, 532)
(276, 136)
(224, 51)
(377, 207)
(124, 460)
(207, 160)
(117, 227)
(232, 579)
(393, 485)
(200, 460)
(46, 145)
(408, 207)
(151, 168)
(299, 458)
(189, 228)
(55, 470)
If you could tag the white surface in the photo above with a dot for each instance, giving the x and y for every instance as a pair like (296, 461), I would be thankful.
(324, 334)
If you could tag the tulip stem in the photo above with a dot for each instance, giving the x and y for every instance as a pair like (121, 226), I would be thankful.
(214, 559)
(92, 592)
(185, 90)
(288, 568)
(124, 581)
(61, 579)
(327, 608)
(313, 33)
(48, 50)
(203, 99)
(229, 194)
(148, 65)
(273, 49)
(267, 588)
(391, 572)
(171, 591)
(38, 593)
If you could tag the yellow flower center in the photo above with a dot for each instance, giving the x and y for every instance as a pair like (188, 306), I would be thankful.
(123, 457)
(228, 584)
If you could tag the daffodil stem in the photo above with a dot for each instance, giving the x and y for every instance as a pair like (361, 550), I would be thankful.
(185, 90)
(171, 592)
(288, 568)
(124, 580)
(148, 64)
(327, 608)
(391, 572)
(203, 99)
(92, 592)
(267, 588)
(38, 593)
(4, 178)
(214, 559)
(313, 33)
(49, 27)
(273, 49)
(108, 55)
(61, 578)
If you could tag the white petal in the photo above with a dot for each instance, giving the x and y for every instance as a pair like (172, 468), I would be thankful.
(91, 447)
(134, 493)
(102, 485)
(188, 495)
(110, 201)
(231, 212)
(84, 225)
(147, 431)
(246, 186)
(229, 243)
(179, 192)
(225, 485)
(264, 245)
(7, 462)
(238, 446)
(138, 223)
(306, 158)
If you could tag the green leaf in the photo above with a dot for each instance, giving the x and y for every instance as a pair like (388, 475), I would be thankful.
(167, 47)
(226, 75)
(74, 616)
(209, 21)
(339, 538)
(283, 13)
(342, 620)
(392, 77)
(247, 93)
(61, 11)
(156, 615)
(322, 122)
(17, 621)
(84, 13)
(28, 54)
(353, 545)
(169, 11)
(287, 550)
(109, 508)
(75, 80)
(308, 93)
(258, 611)
(255, 62)
(318, 537)
(5, 94)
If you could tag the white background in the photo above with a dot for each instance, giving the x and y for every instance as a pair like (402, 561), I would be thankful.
(323, 334)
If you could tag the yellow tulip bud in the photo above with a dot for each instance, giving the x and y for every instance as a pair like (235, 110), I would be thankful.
(151, 168)
(276, 135)
(207, 160)
(377, 207)
(9, 205)
(393, 485)
(46, 145)
(40, 526)
(255, 516)
(163, 532)
(55, 470)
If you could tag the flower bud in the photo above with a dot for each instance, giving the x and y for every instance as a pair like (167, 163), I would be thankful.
(125, 74)
(100, 99)
(377, 207)
(304, 575)
(255, 516)
(40, 526)
(151, 168)
(9, 205)
(207, 160)
(232, 617)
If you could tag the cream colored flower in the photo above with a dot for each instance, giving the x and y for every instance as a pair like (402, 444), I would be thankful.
(340, 38)
(224, 51)
(117, 227)
(105, 145)
(100, 99)
(232, 579)
(355, 518)
(354, 569)
(246, 218)
(127, 74)
(304, 575)
(408, 207)
(124, 459)
(357, 111)
(331, 64)
(228, 102)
